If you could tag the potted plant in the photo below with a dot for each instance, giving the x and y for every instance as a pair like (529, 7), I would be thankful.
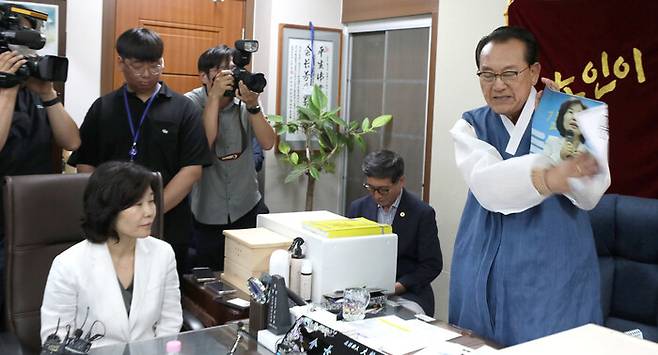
(327, 135)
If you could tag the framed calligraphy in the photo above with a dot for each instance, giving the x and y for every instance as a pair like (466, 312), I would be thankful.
(301, 66)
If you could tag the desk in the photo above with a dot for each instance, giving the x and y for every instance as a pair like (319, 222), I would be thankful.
(587, 339)
(215, 340)
(208, 307)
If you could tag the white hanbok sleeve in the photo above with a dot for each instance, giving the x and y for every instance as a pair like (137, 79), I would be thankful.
(587, 191)
(505, 186)
(499, 185)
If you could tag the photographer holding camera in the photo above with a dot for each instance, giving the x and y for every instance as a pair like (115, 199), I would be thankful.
(227, 196)
(31, 114)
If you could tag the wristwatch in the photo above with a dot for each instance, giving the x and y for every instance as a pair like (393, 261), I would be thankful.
(253, 110)
(51, 102)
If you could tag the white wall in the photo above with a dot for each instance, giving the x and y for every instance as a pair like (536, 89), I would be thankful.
(268, 15)
(461, 25)
(83, 49)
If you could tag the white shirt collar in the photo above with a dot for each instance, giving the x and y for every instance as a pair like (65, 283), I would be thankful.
(516, 131)
(395, 204)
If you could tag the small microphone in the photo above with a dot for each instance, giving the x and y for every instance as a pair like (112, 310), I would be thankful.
(569, 136)
(30, 38)
(53, 344)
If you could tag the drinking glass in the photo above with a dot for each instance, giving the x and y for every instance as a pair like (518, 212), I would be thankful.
(355, 302)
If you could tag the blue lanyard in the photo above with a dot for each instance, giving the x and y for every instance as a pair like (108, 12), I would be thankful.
(132, 153)
(312, 29)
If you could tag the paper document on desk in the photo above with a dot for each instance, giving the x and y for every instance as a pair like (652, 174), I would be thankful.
(446, 348)
(394, 335)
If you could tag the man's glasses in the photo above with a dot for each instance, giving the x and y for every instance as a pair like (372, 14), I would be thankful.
(508, 76)
(382, 190)
(142, 69)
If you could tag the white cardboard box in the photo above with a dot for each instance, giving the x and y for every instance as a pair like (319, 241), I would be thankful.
(339, 263)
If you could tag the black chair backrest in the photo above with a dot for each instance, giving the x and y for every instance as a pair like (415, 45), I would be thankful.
(42, 219)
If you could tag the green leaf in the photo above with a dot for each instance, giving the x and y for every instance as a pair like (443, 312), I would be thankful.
(295, 173)
(361, 143)
(275, 118)
(381, 121)
(318, 98)
(330, 167)
(314, 116)
(333, 116)
(354, 125)
(332, 135)
(284, 147)
(322, 141)
(365, 124)
(349, 142)
(281, 129)
(315, 173)
(294, 158)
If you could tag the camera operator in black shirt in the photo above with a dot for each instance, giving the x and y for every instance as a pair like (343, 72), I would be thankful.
(31, 118)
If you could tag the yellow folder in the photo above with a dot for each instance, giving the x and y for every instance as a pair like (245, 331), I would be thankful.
(339, 228)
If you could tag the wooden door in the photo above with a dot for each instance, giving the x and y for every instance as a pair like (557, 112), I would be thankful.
(187, 28)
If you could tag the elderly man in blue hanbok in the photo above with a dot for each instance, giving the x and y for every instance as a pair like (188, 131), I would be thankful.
(524, 263)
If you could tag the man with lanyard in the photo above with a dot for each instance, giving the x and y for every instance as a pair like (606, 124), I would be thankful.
(419, 258)
(146, 122)
(32, 118)
(227, 195)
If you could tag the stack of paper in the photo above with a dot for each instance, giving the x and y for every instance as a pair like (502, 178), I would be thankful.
(396, 336)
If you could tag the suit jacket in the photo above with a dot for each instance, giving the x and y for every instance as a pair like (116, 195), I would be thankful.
(82, 279)
(419, 252)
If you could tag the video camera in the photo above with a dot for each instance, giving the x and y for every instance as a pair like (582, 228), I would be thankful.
(47, 68)
(241, 58)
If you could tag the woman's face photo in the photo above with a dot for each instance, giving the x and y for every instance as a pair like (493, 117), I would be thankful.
(570, 123)
(136, 220)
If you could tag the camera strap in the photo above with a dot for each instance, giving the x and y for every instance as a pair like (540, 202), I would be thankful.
(132, 153)
(9, 80)
(244, 139)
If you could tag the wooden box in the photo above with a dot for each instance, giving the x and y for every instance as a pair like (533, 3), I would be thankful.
(247, 253)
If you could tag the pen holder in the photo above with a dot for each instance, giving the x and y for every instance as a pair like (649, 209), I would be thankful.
(257, 317)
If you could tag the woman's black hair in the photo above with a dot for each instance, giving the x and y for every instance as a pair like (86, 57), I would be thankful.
(140, 44)
(559, 121)
(113, 187)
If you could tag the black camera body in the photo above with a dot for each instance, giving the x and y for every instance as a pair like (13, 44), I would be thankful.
(47, 68)
(256, 82)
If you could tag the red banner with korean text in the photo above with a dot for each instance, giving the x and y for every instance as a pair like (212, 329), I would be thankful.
(608, 51)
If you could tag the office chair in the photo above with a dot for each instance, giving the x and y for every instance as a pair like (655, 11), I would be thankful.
(42, 219)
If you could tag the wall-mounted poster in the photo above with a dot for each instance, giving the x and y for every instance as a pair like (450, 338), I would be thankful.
(302, 65)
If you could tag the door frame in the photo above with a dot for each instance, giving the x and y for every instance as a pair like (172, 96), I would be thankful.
(427, 20)
(108, 56)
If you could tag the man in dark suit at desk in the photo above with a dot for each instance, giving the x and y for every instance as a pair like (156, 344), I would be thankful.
(419, 253)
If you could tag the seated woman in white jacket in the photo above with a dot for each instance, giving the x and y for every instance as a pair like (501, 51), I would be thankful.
(119, 282)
